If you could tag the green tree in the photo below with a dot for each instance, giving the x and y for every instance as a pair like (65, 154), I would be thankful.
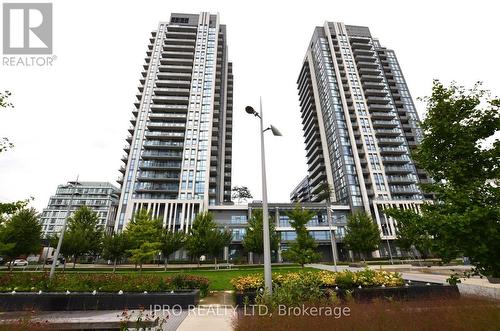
(20, 234)
(409, 235)
(241, 193)
(4, 103)
(254, 237)
(460, 150)
(216, 241)
(144, 235)
(170, 243)
(144, 253)
(84, 234)
(303, 249)
(362, 234)
(114, 247)
(203, 231)
(8, 208)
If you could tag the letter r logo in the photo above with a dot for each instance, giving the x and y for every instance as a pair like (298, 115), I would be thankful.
(27, 28)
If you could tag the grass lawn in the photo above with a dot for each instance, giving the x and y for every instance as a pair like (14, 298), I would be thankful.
(219, 279)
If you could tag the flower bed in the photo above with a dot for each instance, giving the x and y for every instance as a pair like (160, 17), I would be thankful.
(293, 288)
(89, 282)
(344, 279)
(75, 291)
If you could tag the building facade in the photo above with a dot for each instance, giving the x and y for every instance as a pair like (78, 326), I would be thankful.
(360, 125)
(101, 197)
(177, 158)
(235, 218)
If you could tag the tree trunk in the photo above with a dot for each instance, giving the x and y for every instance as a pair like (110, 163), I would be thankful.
(166, 262)
(215, 260)
(114, 266)
(140, 268)
(74, 261)
(64, 266)
(11, 264)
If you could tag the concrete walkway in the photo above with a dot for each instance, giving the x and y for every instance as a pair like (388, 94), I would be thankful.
(439, 274)
(214, 313)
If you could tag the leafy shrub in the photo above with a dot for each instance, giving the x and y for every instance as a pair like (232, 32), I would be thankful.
(315, 280)
(88, 282)
(188, 282)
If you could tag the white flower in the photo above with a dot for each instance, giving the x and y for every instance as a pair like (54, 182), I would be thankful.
(120, 292)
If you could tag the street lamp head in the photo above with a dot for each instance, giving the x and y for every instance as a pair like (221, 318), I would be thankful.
(250, 110)
(275, 131)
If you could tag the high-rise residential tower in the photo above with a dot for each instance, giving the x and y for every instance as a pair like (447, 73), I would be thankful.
(178, 154)
(360, 124)
(101, 197)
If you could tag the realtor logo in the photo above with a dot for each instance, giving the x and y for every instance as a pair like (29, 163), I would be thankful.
(27, 28)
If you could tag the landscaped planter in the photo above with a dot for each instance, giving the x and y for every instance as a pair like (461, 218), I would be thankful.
(414, 291)
(494, 280)
(99, 301)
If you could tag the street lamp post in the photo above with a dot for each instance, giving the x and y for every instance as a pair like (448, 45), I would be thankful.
(387, 240)
(265, 213)
(332, 238)
(63, 230)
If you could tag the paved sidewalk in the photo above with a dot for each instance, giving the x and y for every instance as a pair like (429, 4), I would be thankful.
(214, 313)
(93, 319)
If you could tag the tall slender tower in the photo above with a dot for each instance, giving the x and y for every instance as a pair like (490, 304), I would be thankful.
(360, 124)
(178, 153)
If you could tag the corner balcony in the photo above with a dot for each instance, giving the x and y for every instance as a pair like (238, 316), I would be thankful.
(161, 135)
(408, 179)
(168, 108)
(157, 165)
(393, 150)
(359, 45)
(404, 169)
(172, 34)
(390, 141)
(159, 178)
(386, 117)
(145, 187)
(178, 41)
(400, 189)
(166, 126)
(377, 100)
(156, 144)
(176, 83)
(156, 155)
(160, 116)
(180, 55)
(170, 100)
(174, 76)
(171, 91)
(380, 107)
(375, 92)
(388, 132)
(371, 77)
(396, 159)
(175, 68)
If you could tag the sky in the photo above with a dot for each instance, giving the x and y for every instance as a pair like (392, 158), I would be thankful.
(71, 119)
